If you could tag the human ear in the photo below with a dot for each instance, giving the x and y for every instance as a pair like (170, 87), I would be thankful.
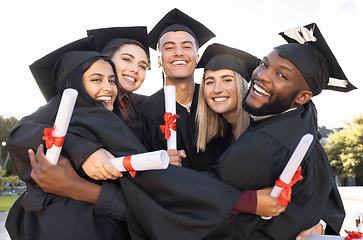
(303, 97)
(159, 61)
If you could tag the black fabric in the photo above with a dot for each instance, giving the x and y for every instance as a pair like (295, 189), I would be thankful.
(152, 113)
(105, 129)
(176, 20)
(218, 56)
(308, 50)
(254, 161)
(42, 68)
(109, 37)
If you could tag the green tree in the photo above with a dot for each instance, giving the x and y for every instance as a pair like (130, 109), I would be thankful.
(345, 150)
(2, 180)
(13, 180)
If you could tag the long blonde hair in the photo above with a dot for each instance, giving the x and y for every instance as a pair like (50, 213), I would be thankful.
(210, 124)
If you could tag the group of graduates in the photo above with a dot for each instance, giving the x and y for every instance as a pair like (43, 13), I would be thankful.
(235, 134)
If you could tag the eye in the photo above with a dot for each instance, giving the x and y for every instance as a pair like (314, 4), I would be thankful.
(143, 67)
(281, 75)
(126, 59)
(263, 64)
(96, 80)
(112, 81)
(208, 82)
(228, 80)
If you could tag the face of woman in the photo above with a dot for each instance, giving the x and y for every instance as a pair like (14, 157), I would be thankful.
(100, 83)
(131, 64)
(220, 92)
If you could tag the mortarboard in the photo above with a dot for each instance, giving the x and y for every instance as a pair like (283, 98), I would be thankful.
(217, 56)
(42, 69)
(310, 53)
(108, 37)
(176, 20)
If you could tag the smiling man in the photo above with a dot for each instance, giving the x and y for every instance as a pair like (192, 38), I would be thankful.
(177, 37)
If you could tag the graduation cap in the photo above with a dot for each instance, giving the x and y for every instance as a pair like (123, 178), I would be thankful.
(42, 68)
(107, 38)
(310, 53)
(217, 56)
(176, 20)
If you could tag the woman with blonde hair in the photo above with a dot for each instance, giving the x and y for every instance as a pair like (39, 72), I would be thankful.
(220, 117)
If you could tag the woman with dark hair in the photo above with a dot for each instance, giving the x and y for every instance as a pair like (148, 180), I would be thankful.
(48, 216)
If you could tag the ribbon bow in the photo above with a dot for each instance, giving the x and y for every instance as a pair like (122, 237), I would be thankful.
(51, 140)
(128, 167)
(285, 195)
(353, 235)
(169, 124)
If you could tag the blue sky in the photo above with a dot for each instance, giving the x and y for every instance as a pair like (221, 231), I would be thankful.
(31, 29)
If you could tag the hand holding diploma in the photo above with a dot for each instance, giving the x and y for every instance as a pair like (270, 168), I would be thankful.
(141, 162)
(54, 137)
(291, 173)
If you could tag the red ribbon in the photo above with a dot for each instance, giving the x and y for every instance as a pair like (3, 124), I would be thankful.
(51, 140)
(169, 124)
(353, 235)
(128, 167)
(285, 195)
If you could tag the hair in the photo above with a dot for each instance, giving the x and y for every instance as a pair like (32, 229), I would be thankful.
(211, 125)
(75, 81)
(110, 51)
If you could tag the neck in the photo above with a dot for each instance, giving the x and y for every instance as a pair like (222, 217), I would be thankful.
(231, 118)
(184, 89)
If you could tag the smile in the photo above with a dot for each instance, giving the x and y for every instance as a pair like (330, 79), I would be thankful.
(103, 99)
(220, 99)
(259, 91)
(129, 78)
(178, 63)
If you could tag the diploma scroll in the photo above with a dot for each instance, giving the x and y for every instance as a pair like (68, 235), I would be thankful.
(62, 119)
(170, 107)
(292, 165)
(143, 161)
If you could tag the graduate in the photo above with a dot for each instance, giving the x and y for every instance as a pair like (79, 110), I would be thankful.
(177, 37)
(220, 116)
(279, 98)
(36, 214)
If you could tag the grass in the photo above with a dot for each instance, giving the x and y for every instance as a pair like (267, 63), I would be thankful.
(6, 202)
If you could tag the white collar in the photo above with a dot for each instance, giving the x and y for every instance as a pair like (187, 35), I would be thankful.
(259, 118)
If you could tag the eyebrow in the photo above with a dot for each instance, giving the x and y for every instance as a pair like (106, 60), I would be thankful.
(281, 66)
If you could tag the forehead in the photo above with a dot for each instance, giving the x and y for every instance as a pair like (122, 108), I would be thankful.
(176, 37)
(218, 72)
(133, 49)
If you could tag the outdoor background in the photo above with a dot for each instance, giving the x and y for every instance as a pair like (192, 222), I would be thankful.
(31, 29)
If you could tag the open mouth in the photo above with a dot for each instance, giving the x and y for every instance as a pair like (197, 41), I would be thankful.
(179, 63)
(220, 99)
(131, 79)
(260, 91)
(104, 99)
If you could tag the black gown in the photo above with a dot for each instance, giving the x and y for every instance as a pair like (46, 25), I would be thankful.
(37, 215)
(152, 112)
(180, 210)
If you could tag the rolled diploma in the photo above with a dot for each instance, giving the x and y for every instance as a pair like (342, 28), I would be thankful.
(293, 164)
(170, 106)
(144, 161)
(62, 119)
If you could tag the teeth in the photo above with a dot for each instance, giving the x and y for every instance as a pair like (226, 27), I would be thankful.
(129, 78)
(103, 99)
(259, 91)
(179, 62)
(220, 99)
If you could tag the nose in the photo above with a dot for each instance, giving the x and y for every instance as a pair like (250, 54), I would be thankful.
(106, 86)
(217, 88)
(264, 75)
(134, 67)
(179, 51)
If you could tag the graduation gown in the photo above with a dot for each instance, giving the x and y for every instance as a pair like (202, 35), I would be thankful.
(215, 148)
(37, 215)
(152, 113)
(253, 162)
